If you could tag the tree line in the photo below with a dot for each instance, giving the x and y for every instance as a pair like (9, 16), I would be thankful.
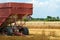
(48, 18)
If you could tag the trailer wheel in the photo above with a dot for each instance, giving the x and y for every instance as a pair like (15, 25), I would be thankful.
(25, 31)
(9, 31)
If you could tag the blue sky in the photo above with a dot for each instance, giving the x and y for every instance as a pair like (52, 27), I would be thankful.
(42, 8)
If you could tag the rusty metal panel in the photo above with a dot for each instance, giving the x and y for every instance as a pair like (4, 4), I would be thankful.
(7, 9)
(19, 8)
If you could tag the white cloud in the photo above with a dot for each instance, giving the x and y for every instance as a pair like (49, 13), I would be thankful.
(43, 4)
(58, 0)
(49, 3)
(37, 3)
(49, 6)
(53, 5)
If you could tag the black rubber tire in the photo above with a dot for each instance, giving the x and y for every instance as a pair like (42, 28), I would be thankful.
(9, 31)
(6, 30)
(25, 31)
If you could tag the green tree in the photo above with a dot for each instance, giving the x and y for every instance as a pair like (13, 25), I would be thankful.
(48, 18)
(58, 18)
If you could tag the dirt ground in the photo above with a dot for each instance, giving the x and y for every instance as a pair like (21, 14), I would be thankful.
(29, 37)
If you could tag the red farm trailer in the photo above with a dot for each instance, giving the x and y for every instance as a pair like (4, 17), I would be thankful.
(10, 13)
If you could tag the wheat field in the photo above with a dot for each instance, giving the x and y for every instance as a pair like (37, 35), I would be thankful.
(38, 30)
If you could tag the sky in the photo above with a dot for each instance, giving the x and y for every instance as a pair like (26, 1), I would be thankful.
(41, 8)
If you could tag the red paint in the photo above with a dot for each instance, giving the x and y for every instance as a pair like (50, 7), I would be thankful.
(7, 9)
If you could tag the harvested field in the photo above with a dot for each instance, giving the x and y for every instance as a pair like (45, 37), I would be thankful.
(43, 25)
(39, 31)
(29, 37)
